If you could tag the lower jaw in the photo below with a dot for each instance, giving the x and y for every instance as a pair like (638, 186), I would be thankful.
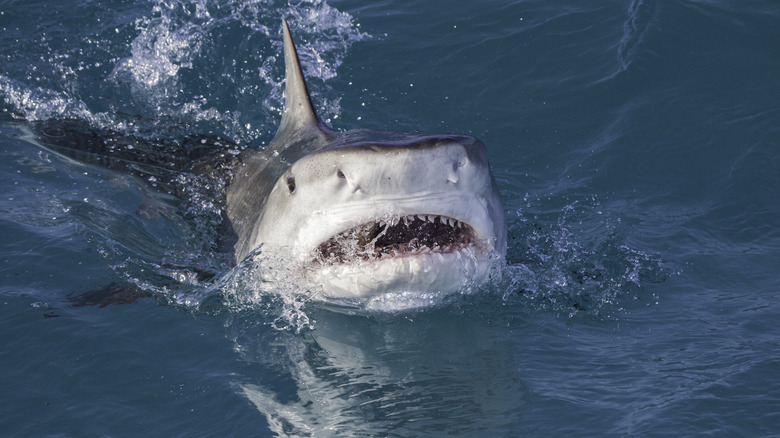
(436, 272)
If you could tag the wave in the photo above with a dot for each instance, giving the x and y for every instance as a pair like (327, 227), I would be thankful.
(180, 66)
(641, 16)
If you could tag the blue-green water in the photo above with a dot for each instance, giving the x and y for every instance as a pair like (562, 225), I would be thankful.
(636, 146)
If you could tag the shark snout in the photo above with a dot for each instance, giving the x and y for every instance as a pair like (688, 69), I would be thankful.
(364, 172)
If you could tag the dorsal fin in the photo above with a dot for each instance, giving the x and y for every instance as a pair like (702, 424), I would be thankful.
(298, 116)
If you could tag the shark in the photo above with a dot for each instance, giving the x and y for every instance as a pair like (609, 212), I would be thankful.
(358, 212)
(367, 211)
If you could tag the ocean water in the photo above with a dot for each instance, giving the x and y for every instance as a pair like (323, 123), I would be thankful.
(635, 144)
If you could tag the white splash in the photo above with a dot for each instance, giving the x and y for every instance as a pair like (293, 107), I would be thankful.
(208, 66)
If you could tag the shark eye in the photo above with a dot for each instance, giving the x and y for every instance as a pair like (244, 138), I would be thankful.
(291, 184)
(340, 174)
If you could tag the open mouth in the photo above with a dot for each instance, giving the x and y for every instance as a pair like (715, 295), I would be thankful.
(397, 237)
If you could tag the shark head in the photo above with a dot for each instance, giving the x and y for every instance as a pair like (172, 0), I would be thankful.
(366, 212)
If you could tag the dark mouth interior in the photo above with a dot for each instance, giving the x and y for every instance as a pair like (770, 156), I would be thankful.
(408, 235)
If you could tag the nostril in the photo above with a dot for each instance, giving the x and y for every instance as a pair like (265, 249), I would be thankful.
(453, 175)
(291, 184)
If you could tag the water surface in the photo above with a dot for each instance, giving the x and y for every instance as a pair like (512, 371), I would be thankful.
(635, 145)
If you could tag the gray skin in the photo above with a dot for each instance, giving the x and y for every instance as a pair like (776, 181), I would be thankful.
(340, 183)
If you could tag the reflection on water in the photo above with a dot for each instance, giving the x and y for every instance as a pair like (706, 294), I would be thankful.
(402, 374)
